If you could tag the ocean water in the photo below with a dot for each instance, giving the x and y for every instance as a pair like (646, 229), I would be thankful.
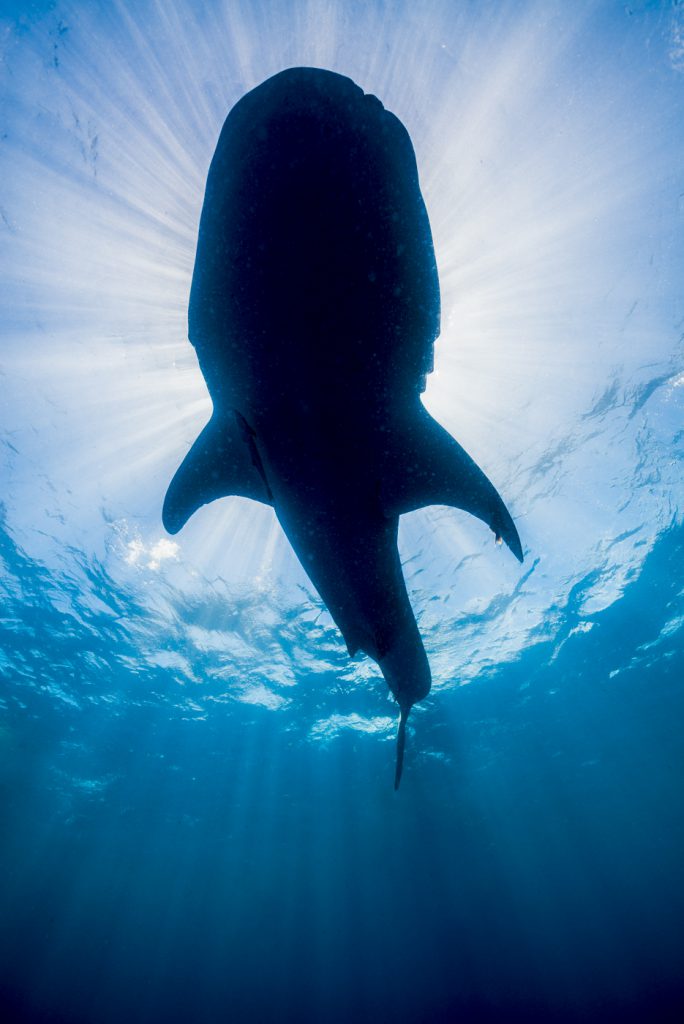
(197, 818)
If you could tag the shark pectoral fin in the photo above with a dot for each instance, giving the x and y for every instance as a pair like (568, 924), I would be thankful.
(222, 461)
(427, 466)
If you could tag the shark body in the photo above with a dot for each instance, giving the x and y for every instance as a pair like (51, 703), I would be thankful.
(314, 309)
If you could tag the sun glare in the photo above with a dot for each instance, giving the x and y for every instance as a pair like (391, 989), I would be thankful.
(545, 193)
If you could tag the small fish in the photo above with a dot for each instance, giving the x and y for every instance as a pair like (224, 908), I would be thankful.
(314, 310)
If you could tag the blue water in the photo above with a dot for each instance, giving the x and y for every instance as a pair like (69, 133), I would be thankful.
(197, 815)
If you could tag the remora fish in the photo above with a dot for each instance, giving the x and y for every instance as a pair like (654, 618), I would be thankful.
(314, 309)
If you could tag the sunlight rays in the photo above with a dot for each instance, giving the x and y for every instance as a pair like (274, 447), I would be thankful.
(550, 175)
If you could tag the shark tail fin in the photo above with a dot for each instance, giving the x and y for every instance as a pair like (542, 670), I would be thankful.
(401, 744)
(426, 466)
(222, 461)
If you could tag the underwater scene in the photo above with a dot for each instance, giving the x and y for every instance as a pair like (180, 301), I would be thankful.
(198, 814)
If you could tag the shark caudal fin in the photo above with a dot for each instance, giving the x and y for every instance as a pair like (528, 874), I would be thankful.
(407, 673)
(401, 744)
(426, 466)
(222, 461)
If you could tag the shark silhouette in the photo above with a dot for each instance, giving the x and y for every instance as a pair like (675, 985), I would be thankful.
(313, 310)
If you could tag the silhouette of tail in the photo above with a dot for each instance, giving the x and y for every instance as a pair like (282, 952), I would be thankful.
(401, 743)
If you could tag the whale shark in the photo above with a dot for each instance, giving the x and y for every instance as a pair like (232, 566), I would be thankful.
(314, 308)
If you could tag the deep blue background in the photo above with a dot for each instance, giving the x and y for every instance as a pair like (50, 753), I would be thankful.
(197, 820)
(540, 878)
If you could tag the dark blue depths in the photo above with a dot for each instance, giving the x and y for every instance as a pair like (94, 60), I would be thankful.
(231, 871)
